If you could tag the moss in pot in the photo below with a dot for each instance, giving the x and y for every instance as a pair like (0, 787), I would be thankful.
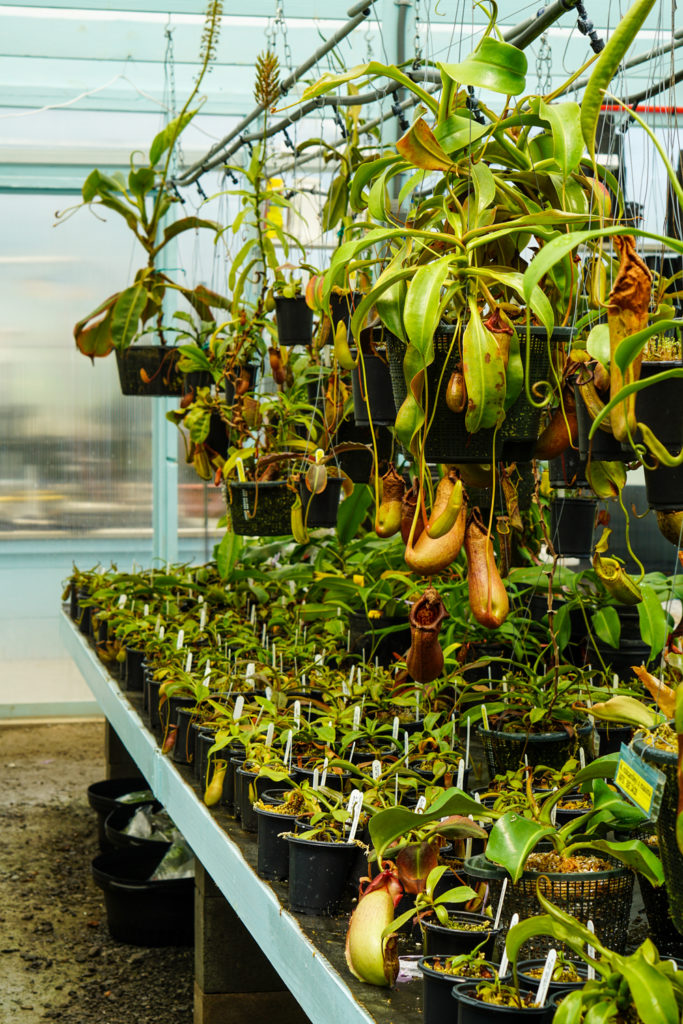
(493, 1001)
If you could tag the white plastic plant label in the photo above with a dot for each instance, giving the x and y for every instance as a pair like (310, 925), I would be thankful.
(503, 967)
(323, 777)
(460, 779)
(270, 734)
(421, 805)
(238, 709)
(354, 809)
(180, 641)
(297, 714)
(395, 728)
(356, 718)
(288, 749)
(188, 663)
(376, 769)
(544, 985)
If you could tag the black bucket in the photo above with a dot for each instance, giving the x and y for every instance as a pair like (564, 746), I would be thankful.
(141, 912)
(103, 798)
(118, 820)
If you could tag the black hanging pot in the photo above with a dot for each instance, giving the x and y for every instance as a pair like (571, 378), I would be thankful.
(342, 308)
(371, 385)
(149, 370)
(364, 636)
(571, 526)
(357, 464)
(603, 447)
(448, 439)
(294, 321)
(568, 470)
(260, 509)
(320, 510)
(660, 407)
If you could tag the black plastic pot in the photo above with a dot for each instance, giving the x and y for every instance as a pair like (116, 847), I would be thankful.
(294, 321)
(320, 510)
(672, 859)
(103, 798)
(603, 447)
(568, 470)
(133, 669)
(250, 789)
(184, 746)
(232, 792)
(317, 874)
(342, 307)
(273, 852)
(358, 464)
(160, 366)
(604, 897)
(619, 660)
(442, 941)
(203, 743)
(530, 981)
(373, 391)
(506, 750)
(664, 488)
(116, 823)
(474, 1011)
(448, 439)
(84, 613)
(571, 526)
(437, 1004)
(168, 711)
(260, 510)
(611, 736)
(141, 912)
(153, 702)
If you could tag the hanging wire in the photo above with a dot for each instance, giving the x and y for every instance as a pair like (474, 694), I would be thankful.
(544, 66)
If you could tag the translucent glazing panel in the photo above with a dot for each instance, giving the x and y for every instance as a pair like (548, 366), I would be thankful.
(76, 455)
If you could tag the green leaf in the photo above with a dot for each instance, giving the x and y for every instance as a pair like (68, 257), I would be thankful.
(562, 625)
(631, 347)
(390, 824)
(635, 855)
(226, 554)
(374, 69)
(598, 345)
(654, 627)
(188, 224)
(141, 181)
(606, 67)
(168, 135)
(336, 202)
(565, 125)
(511, 841)
(352, 512)
(652, 993)
(607, 625)
(126, 315)
(484, 372)
(422, 309)
(494, 65)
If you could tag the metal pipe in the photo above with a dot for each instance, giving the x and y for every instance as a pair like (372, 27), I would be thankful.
(653, 90)
(523, 34)
(361, 12)
(641, 58)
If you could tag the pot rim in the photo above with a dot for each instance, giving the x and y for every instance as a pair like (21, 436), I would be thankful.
(535, 737)
(478, 867)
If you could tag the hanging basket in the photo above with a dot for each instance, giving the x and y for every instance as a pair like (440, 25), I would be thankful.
(672, 859)
(342, 308)
(294, 321)
(603, 897)
(571, 526)
(568, 470)
(521, 426)
(505, 751)
(260, 509)
(160, 368)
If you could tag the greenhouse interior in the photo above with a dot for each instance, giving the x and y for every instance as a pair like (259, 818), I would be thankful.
(342, 616)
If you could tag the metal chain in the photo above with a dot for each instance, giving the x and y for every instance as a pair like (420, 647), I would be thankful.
(369, 38)
(281, 25)
(417, 41)
(544, 66)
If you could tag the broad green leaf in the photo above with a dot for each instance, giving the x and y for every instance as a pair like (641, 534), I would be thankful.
(484, 372)
(168, 135)
(494, 65)
(653, 996)
(336, 202)
(607, 625)
(422, 308)
(606, 67)
(565, 124)
(459, 133)
(226, 554)
(635, 855)
(484, 187)
(126, 315)
(654, 626)
(189, 224)
(597, 344)
(388, 825)
(511, 841)
(352, 512)
(193, 359)
(141, 181)
(562, 625)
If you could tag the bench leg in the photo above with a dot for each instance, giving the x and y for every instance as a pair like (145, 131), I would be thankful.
(234, 983)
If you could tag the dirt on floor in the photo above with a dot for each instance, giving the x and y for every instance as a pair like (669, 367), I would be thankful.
(57, 959)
